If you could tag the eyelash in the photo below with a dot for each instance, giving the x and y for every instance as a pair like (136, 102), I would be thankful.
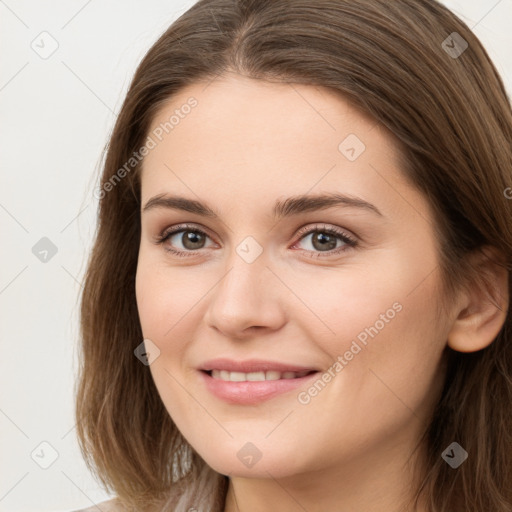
(303, 232)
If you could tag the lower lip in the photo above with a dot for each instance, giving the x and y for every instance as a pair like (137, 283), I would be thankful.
(252, 392)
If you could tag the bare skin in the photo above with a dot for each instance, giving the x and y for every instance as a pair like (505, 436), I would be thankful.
(351, 445)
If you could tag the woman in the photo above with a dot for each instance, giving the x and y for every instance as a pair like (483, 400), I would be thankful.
(298, 296)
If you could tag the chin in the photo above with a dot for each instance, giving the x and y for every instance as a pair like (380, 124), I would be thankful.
(240, 465)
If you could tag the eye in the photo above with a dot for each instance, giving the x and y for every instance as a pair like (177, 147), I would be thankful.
(325, 239)
(191, 238)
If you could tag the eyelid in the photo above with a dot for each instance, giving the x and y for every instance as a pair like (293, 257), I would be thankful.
(176, 228)
(327, 228)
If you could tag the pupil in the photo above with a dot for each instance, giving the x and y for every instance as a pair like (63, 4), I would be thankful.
(324, 241)
(190, 239)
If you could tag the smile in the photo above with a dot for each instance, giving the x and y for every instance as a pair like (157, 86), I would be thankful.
(254, 387)
(256, 376)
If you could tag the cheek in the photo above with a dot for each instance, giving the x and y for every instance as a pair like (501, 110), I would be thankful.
(351, 306)
(165, 298)
(381, 331)
(384, 371)
(148, 292)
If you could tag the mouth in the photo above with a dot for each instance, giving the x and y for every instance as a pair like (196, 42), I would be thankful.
(257, 376)
(251, 388)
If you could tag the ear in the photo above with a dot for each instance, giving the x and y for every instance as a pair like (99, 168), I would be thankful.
(484, 306)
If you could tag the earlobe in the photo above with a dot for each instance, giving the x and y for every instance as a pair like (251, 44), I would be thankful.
(484, 306)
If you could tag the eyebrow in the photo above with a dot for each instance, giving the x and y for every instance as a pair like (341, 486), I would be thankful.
(282, 208)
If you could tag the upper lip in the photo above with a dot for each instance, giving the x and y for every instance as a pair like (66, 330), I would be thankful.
(252, 365)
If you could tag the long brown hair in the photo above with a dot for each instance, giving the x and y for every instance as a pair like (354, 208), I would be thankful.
(452, 120)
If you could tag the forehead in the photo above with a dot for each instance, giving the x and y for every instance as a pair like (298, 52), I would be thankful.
(250, 139)
(257, 108)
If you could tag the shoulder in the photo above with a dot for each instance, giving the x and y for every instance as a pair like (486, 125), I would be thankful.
(104, 506)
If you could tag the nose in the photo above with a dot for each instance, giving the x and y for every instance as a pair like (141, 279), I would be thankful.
(247, 299)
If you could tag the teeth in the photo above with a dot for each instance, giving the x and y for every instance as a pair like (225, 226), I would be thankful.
(253, 376)
(256, 376)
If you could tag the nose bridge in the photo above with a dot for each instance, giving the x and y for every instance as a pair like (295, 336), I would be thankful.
(246, 295)
(245, 282)
(247, 268)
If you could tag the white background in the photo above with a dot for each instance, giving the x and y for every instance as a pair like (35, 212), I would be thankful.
(56, 115)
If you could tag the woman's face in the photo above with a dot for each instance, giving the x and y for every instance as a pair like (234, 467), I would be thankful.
(285, 285)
